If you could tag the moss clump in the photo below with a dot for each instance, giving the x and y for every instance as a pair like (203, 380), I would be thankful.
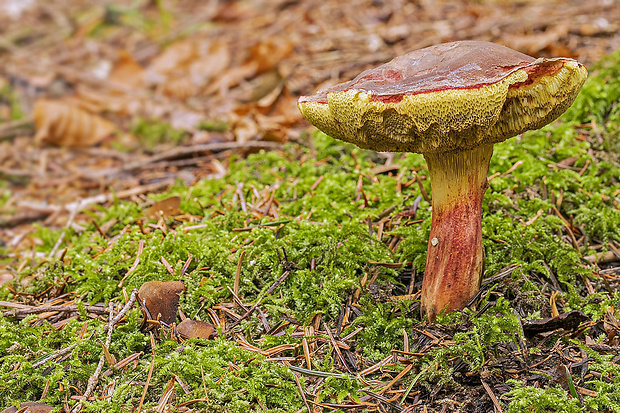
(320, 218)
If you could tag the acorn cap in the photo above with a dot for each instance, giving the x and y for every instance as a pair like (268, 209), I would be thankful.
(447, 97)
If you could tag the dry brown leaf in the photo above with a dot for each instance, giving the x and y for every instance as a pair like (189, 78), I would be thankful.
(268, 119)
(210, 64)
(196, 329)
(188, 66)
(533, 43)
(63, 124)
(267, 54)
(263, 57)
(29, 407)
(119, 103)
(166, 207)
(176, 56)
(160, 299)
(5, 277)
(127, 72)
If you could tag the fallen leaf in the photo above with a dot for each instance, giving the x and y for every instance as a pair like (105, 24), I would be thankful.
(63, 124)
(196, 329)
(166, 207)
(29, 407)
(127, 72)
(159, 300)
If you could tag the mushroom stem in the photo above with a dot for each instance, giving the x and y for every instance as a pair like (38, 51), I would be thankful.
(455, 256)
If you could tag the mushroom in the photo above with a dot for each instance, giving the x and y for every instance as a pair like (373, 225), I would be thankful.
(451, 103)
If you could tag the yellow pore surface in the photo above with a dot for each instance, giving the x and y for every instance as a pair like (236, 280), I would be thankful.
(446, 120)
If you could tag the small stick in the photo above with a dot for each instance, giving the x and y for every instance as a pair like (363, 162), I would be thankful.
(21, 312)
(74, 212)
(395, 379)
(301, 391)
(568, 227)
(59, 353)
(422, 189)
(92, 381)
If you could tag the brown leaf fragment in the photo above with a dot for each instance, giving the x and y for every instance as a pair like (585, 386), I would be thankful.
(63, 124)
(196, 329)
(127, 71)
(566, 321)
(159, 300)
(29, 407)
(269, 53)
(166, 207)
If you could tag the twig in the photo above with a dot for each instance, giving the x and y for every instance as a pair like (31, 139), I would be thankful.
(301, 391)
(395, 379)
(568, 227)
(183, 151)
(238, 273)
(393, 406)
(10, 129)
(601, 257)
(336, 348)
(422, 189)
(99, 199)
(318, 373)
(57, 354)
(121, 314)
(21, 312)
(92, 381)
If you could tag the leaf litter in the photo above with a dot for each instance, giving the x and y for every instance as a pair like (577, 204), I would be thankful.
(307, 259)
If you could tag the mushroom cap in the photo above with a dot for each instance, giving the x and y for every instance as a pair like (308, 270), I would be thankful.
(452, 96)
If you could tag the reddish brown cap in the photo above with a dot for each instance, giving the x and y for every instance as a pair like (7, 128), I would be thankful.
(451, 96)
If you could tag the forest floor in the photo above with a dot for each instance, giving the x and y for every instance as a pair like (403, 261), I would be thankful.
(160, 140)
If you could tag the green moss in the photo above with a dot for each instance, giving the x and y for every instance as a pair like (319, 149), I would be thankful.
(530, 399)
(316, 234)
(153, 132)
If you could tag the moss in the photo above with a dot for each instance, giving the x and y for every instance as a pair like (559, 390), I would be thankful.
(317, 234)
(529, 399)
(153, 132)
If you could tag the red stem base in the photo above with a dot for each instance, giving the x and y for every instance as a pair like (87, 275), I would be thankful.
(455, 256)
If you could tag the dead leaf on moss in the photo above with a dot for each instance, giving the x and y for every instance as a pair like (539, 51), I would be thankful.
(29, 407)
(166, 207)
(63, 124)
(159, 300)
(196, 329)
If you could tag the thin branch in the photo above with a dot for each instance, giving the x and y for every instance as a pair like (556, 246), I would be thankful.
(92, 381)
(22, 312)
